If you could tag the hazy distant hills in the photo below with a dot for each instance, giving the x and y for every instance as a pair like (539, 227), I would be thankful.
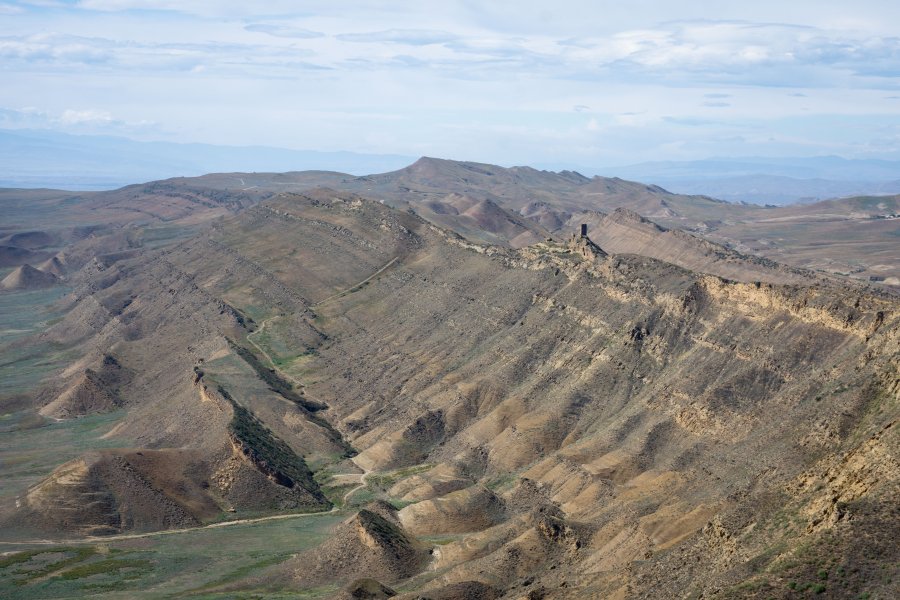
(814, 167)
(768, 189)
(759, 180)
(30, 158)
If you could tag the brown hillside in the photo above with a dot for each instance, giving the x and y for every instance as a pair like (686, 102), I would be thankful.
(27, 277)
(13, 256)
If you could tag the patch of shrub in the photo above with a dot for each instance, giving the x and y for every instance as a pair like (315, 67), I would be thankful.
(270, 454)
(273, 380)
(112, 565)
(283, 388)
(74, 556)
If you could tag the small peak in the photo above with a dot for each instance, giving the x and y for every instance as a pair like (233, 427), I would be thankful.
(27, 277)
(426, 160)
(54, 266)
(626, 214)
(574, 176)
(428, 163)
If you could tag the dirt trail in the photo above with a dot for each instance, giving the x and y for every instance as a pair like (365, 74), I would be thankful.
(363, 282)
(134, 536)
(266, 355)
(264, 323)
(362, 483)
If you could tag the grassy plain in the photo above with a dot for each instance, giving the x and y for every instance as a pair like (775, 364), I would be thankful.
(25, 313)
(185, 564)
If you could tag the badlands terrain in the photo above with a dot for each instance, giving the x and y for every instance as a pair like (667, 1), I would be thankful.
(428, 384)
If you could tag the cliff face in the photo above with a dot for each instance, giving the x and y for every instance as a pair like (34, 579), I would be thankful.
(583, 423)
(642, 399)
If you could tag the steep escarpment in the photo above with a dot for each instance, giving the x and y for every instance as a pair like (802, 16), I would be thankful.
(270, 455)
(640, 397)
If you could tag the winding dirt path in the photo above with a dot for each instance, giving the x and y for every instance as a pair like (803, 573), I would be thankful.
(361, 477)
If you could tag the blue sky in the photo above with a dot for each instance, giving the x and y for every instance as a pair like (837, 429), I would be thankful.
(563, 82)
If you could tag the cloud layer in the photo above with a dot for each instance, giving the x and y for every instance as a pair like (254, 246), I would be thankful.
(510, 80)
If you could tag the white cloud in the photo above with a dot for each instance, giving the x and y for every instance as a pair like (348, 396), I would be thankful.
(284, 31)
(88, 120)
(198, 7)
(267, 72)
(241, 9)
(52, 47)
(413, 37)
(45, 3)
(78, 117)
(58, 51)
(741, 53)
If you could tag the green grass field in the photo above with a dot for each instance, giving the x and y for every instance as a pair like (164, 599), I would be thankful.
(28, 455)
(189, 564)
(22, 366)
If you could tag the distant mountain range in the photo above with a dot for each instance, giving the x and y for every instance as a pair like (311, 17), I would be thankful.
(31, 159)
(39, 158)
(778, 181)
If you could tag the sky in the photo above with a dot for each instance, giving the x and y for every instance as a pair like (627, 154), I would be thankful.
(567, 82)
